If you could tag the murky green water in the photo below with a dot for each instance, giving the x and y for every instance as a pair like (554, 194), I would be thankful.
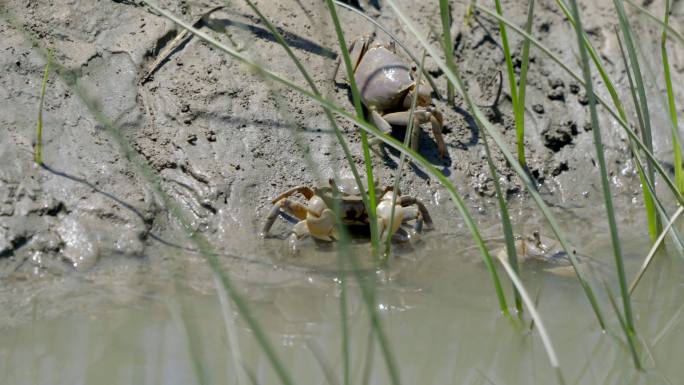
(436, 303)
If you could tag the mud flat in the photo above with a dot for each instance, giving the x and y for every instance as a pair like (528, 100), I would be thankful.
(222, 142)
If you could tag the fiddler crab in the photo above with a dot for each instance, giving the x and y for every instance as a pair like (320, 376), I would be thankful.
(548, 251)
(317, 218)
(387, 85)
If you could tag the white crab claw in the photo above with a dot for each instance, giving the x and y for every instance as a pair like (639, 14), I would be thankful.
(384, 212)
(323, 226)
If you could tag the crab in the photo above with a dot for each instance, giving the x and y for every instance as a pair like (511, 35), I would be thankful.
(548, 251)
(317, 218)
(387, 85)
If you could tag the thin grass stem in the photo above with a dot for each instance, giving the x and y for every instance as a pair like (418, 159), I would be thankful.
(624, 326)
(598, 143)
(651, 205)
(643, 105)
(676, 143)
(539, 323)
(38, 147)
(654, 249)
(402, 157)
(356, 98)
(519, 108)
(445, 15)
(505, 224)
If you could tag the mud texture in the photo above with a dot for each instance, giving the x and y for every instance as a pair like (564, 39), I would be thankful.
(222, 142)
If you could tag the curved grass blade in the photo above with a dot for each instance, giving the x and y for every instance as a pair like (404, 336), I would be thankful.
(484, 123)
(388, 140)
(654, 249)
(539, 324)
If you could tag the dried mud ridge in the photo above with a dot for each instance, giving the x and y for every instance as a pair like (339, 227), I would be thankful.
(218, 139)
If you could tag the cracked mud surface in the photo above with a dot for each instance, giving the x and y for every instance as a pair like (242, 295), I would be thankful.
(223, 143)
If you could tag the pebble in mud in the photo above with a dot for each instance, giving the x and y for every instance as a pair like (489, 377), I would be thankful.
(559, 135)
(557, 89)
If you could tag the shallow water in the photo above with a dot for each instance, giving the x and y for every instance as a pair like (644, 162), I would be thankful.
(436, 304)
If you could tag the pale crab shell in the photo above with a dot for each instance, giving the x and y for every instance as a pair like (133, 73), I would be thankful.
(383, 79)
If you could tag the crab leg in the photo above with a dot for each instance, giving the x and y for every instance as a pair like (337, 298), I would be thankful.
(356, 48)
(304, 190)
(411, 213)
(437, 124)
(407, 200)
(420, 116)
(289, 206)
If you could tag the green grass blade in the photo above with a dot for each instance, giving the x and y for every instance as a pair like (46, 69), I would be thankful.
(649, 202)
(625, 328)
(38, 147)
(653, 206)
(402, 157)
(356, 98)
(676, 143)
(519, 108)
(491, 131)
(678, 35)
(445, 15)
(598, 143)
(507, 55)
(538, 322)
(654, 248)
(512, 85)
(643, 101)
(505, 223)
(619, 115)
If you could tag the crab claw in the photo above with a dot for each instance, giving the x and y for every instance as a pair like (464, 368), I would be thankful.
(384, 213)
(323, 226)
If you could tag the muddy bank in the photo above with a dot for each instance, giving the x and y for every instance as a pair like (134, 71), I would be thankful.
(223, 142)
